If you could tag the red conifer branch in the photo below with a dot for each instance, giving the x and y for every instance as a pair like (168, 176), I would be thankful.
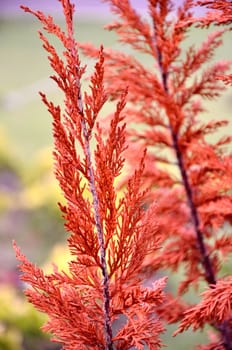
(99, 99)
(206, 262)
(221, 12)
(214, 308)
(96, 205)
(111, 234)
(166, 107)
(113, 239)
(209, 273)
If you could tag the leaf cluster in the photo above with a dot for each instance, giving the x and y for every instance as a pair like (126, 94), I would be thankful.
(171, 210)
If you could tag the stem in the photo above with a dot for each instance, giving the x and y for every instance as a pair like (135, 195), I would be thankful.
(210, 277)
(209, 273)
(106, 293)
(96, 207)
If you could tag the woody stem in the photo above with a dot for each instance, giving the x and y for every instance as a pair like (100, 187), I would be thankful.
(93, 190)
(106, 293)
(210, 277)
(100, 235)
(209, 273)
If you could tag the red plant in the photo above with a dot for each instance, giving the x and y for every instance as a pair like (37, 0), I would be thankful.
(222, 16)
(111, 236)
(115, 237)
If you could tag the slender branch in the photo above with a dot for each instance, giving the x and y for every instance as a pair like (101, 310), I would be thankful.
(209, 273)
(210, 277)
(106, 293)
(96, 206)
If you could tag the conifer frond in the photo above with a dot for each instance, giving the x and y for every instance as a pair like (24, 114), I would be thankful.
(220, 12)
(174, 200)
(190, 176)
(215, 307)
(111, 234)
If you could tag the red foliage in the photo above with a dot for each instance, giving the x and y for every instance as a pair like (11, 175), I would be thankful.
(215, 307)
(118, 238)
(220, 14)
(111, 235)
(165, 101)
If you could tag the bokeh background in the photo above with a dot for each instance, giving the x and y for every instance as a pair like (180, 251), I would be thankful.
(28, 190)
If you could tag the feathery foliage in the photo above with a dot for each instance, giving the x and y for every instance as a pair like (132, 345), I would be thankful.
(169, 214)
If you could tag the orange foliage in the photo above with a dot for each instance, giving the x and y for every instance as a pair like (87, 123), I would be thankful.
(221, 12)
(171, 210)
(215, 307)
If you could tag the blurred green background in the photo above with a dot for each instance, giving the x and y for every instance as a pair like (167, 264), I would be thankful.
(28, 190)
